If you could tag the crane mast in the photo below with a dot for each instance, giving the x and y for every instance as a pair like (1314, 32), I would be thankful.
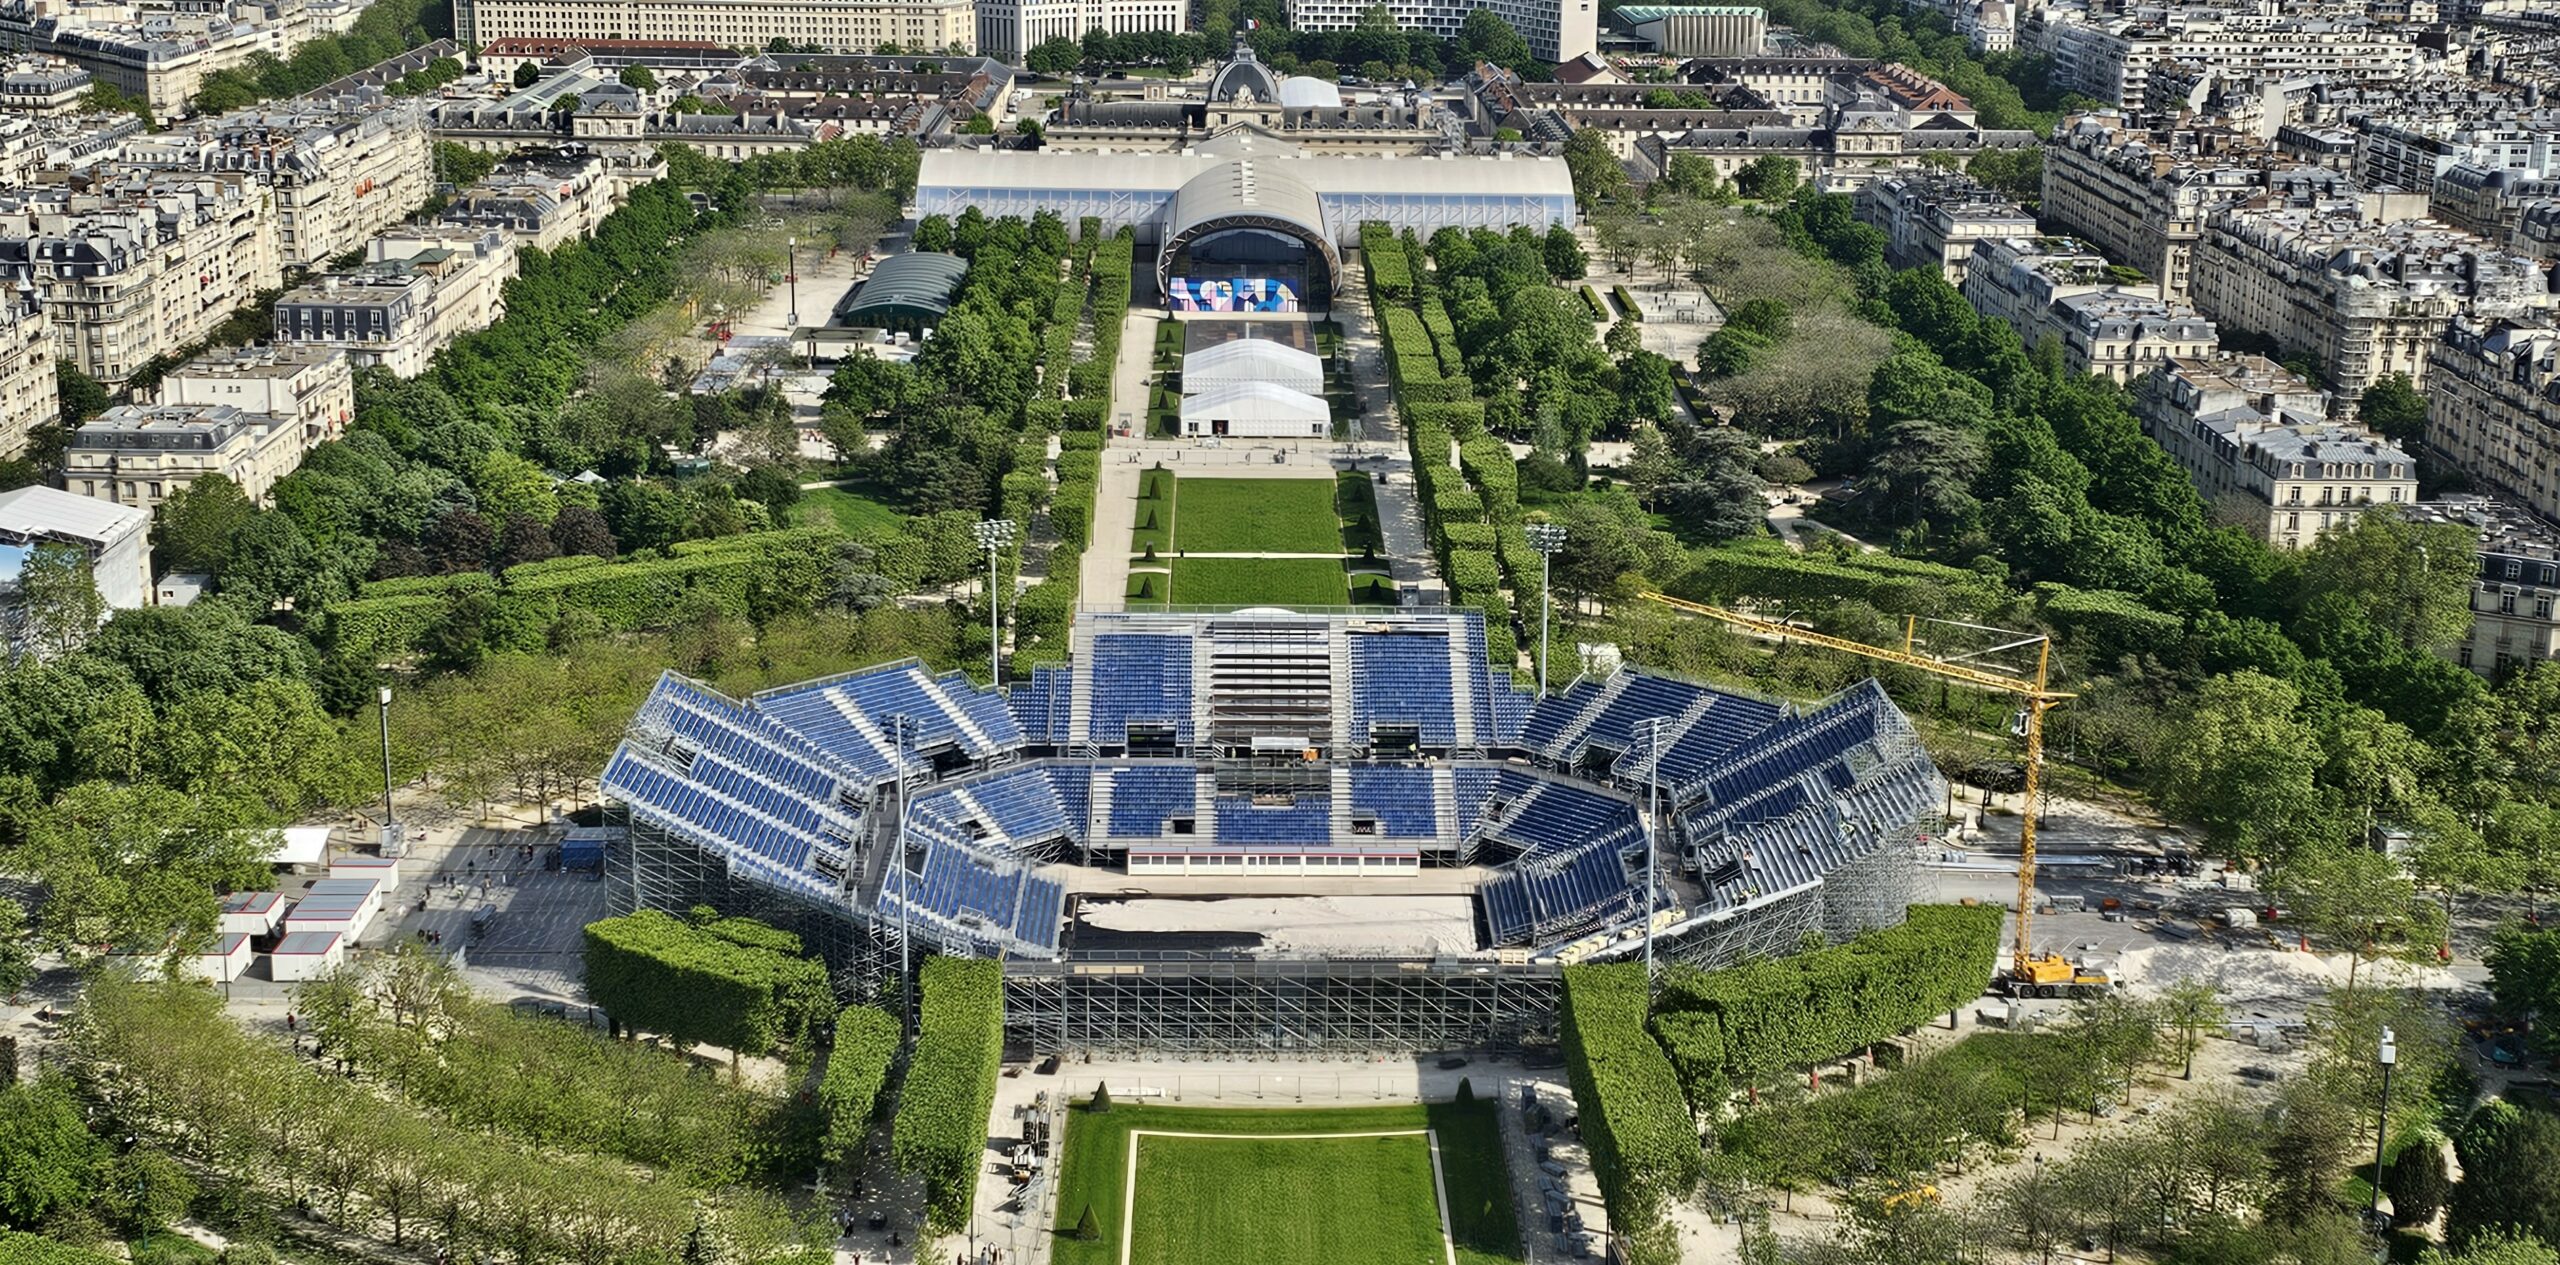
(2050, 976)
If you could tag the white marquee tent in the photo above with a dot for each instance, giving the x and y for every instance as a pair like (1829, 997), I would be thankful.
(1252, 360)
(1257, 410)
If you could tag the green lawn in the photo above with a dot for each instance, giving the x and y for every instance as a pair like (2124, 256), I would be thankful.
(1325, 1201)
(1355, 502)
(1259, 582)
(1256, 516)
(862, 516)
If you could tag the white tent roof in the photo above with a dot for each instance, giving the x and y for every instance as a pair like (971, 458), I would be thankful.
(1255, 401)
(1252, 360)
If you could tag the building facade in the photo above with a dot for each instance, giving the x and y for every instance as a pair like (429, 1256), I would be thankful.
(1557, 30)
(852, 26)
(2513, 623)
(2369, 295)
(1932, 218)
(2257, 442)
(28, 395)
(312, 386)
(115, 538)
(2493, 407)
(140, 267)
(1009, 29)
(338, 173)
(141, 455)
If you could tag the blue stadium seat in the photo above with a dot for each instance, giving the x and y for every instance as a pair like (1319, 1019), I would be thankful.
(1138, 677)
(1145, 797)
(1309, 820)
(1401, 799)
(1402, 678)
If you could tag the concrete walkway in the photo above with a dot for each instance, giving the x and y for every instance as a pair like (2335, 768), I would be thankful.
(1380, 432)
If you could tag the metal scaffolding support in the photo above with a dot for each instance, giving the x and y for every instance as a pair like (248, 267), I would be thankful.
(664, 871)
(1162, 1005)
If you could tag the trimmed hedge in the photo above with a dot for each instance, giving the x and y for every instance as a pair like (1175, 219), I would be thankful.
(857, 1068)
(1643, 1143)
(941, 1131)
(1898, 586)
(1591, 302)
(2113, 624)
(1750, 1022)
(18, 1248)
(657, 973)
(1627, 303)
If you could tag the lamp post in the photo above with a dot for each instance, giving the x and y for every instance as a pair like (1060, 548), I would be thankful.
(994, 534)
(390, 825)
(1546, 538)
(791, 278)
(2387, 1055)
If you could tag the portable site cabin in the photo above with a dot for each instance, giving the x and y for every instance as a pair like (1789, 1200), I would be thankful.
(223, 961)
(303, 955)
(583, 847)
(364, 865)
(252, 913)
(369, 889)
(344, 915)
(297, 847)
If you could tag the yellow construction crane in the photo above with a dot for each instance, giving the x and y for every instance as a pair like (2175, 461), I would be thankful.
(2051, 975)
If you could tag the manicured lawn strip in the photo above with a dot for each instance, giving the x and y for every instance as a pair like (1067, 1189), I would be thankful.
(862, 517)
(1096, 1156)
(1372, 590)
(1347, 1201)
(1259, 582)
(1147, 588)
(1154, 516)
(1257, 516)
(1355, 502)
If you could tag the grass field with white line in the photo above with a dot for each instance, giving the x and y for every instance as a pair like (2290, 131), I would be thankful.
(1245, 1195)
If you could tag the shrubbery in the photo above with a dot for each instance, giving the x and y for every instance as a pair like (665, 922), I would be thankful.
(1644, 1147)
(941, 1131)
(1749, 1022)
(657, 973)
(857, 1068)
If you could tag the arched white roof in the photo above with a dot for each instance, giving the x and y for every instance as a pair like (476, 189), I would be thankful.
(1252, 360)
(1256, 401)
(1307, 90)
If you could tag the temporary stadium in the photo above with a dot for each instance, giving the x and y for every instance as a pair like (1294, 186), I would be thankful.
(1272, 830)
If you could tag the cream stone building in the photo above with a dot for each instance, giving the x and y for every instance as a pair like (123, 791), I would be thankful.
(1932, 218)
(2493, 406)
(2513, 623)
(2258, 444)
(853, 26)
(314, 386)
(2142, 196)
(417, 291)
(28, 397)
(338, 173)
(141, 266)
(2367, 293)
(141, 455)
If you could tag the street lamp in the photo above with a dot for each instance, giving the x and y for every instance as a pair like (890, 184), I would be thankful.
(791, 278)
(1546, 538)
(994, 535)
(2388, 1055)
(390, 825)
(1653, 836)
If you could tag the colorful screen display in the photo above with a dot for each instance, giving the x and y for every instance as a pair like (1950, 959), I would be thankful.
(1230, 294)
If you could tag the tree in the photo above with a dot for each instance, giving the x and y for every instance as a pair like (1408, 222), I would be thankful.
(2417, 1182)
(567, 103)
(933, 233)
(1599, 178)
(58, 600)
(524, 539)
(2189, 1008)
(1484, 36)
(2411, 580)
(1054, 58)
(17, 956)
(196, 524)
(2395, 410)
(527, 74)
(2510, 1176)
(1088, 1226)
(2358, 899)
(1651, 465)
(1769, 178)
(579, 530)
(1565, 258)
(82, 396)
(1101, 1098)
(638, 76)
(461, 541)
(2244, 767)
(48, 1158)
(2496, 1247)
(1720, 495)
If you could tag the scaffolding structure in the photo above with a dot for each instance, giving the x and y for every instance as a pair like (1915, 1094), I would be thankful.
(1170, 1004)
(657, 869)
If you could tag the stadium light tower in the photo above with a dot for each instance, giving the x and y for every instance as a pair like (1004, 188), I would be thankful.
(1652, 727)
(791, 278)
(1546, 538)
(391, 840)
(900, 725)
(994, 534)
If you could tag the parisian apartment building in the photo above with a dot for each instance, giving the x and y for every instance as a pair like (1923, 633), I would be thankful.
(2258, 443)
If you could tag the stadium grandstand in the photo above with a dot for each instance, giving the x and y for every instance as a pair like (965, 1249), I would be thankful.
(1271, 829)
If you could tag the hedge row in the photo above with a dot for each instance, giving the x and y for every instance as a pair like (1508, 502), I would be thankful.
(1750, 1022)
(1591, 303)
(1390, 269)
(657, 973)
(761, 573)
(857, 1069)
(20, 1248)
(1627, 303)
(1043, 612)
(2113, 624)
(1444, 337)
(941, 1131)
(1643, 1144)
(1896, 586)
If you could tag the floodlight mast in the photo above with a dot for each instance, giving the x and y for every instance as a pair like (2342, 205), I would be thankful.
(1546, 538)
(994, 535)
(2029, 690)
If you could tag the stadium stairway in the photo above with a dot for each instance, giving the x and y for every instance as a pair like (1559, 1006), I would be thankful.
(1341, 792)
(1340, 649)
(1463, 676)
(1570, 737)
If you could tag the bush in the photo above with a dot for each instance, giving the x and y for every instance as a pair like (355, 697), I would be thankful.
(941, 1131)
(1643, 1144)
(866, 1044)
(1627, 303)
(2417, 1181)
(1747, 1023)
(656, 973)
